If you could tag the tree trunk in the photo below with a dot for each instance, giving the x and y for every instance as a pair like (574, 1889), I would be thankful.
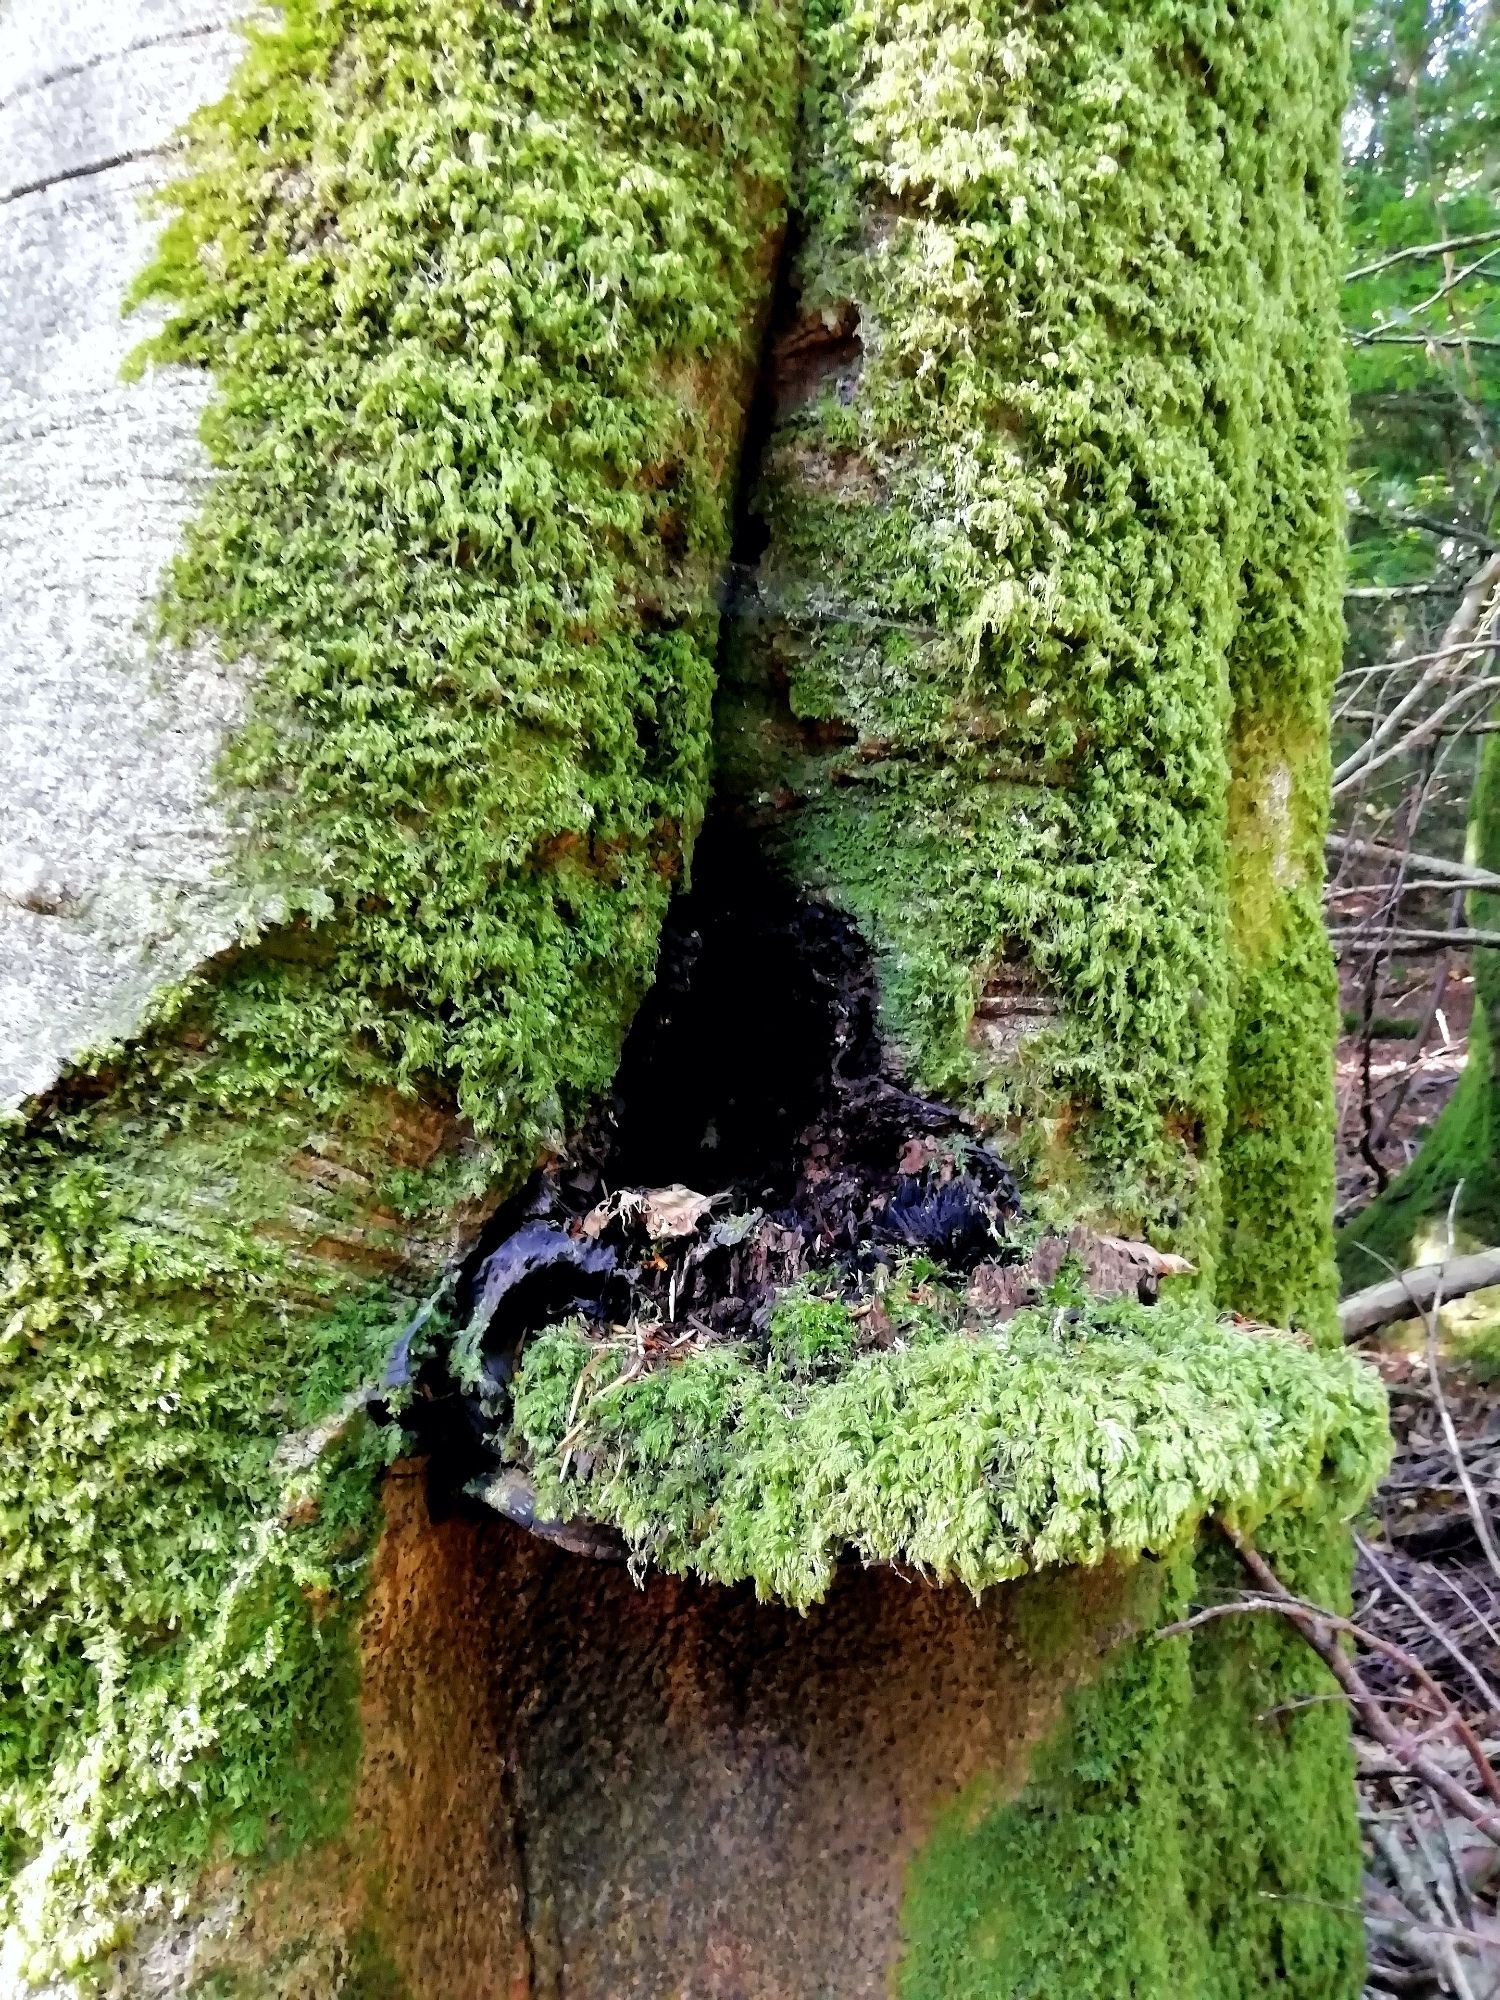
(1007, 637)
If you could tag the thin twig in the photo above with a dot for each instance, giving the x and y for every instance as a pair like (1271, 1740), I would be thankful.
(1431, 864)
(1423, 252)
(1477, 1511)
(1318, 1627)
(1449, 1645)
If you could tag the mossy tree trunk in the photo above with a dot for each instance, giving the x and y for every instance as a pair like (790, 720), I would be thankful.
(1037, 687)
(1035, 610)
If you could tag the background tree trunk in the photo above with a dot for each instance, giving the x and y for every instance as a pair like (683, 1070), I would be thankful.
(1032, 599)
(1407, 1224)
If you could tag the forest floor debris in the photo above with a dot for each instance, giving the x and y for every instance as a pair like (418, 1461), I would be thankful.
(1424, 1583)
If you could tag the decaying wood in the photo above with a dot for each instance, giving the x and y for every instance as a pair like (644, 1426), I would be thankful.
(512, 1495)
(1110, 1266)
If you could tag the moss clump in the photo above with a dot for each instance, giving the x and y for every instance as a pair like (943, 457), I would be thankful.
(478, 287)
(1174, 1837)
(1028, 550)
(975, 1453)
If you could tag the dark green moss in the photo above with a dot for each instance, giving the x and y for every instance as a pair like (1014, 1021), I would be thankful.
(1174, 1838)
(1278, 1168)
(1277, 1154)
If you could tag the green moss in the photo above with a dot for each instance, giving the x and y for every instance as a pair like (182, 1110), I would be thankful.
(479, 290)
(1278, 1166)
(1046, 557)
(1173, 1838)
(973, 1452)
(1278, 1153)
(187, 1495)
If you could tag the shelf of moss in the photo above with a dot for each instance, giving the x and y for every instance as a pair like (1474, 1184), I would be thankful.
(968, 1450)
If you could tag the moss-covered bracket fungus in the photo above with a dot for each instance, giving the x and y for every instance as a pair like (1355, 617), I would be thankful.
(1037, 606)
(972, 1452)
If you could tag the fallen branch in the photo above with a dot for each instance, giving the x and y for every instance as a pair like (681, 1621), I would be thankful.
(1412, 1292)
(1439, 340)
(1431, 864)
(1414, 941)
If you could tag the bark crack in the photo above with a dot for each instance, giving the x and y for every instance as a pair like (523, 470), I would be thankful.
(88, 172)
(71, 70)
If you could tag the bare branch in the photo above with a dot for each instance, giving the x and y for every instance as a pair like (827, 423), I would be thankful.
(1458, 872)
(1411, 518)
(1318, 1628)
(1378, 750)
(1464, 627)
(1421, 252)
(1381, 339)
(1414, 941)
(1412, 1292)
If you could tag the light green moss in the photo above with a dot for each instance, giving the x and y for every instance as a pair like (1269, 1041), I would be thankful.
(1175, 1836)
(973, 1452)
(176, 1579)
(479, 289)
(480, 292)
(1172, 1836)
(1047, 558)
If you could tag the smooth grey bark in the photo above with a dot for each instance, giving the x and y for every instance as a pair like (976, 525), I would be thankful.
(112, 849)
